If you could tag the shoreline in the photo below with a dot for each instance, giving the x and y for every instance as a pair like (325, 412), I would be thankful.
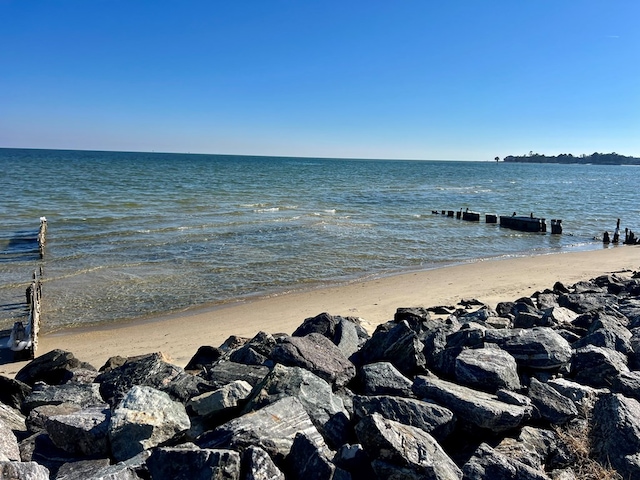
(375, 300)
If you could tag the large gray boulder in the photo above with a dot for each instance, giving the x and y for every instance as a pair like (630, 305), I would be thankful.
(13, 392)
(318, 354)
(481, 409)
(271, 428)
(53, 368)
(188, 462)
(326, 410)
(539, 348)
(402, 451)
(80, 394)
(84, 432)
(346, 333)
(382, 378)
(428, 416)
(96, 470)
(225, 372)
(9, 450)
(307, 461)
(257, 465)
(550, 404)
(615, 434)
(12, 418)
(23, 471)
(586, 302)
(489, 464)
(597, 366)
(256, 351)
(225, 399)
(487, 369)
(145, 418)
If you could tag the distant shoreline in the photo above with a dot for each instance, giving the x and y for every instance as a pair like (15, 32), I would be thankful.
(567, 158)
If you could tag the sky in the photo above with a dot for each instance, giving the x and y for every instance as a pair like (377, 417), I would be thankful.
(405, 79)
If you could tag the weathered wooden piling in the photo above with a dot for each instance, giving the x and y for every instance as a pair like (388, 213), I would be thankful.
(450, 213)
(556, 226)
(471, 216)
(42, 232)
(491, 218)
(523, 224)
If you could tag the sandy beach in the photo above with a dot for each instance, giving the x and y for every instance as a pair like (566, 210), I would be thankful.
(374, 301)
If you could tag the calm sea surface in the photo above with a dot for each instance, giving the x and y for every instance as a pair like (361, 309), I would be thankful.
(135, 234)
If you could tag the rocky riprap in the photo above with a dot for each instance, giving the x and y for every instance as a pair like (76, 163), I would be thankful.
(546, 387)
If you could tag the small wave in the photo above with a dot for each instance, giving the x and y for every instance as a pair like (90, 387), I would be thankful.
(266, 210)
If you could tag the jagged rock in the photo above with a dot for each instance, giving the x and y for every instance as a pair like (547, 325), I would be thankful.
(586, 302)
(188, 462)
(596, 366)
(489, 464)
(630, 308)
(560, 316)
(53, 368)
(550, 404)
(308, 462)
(225, 398)
(435, 339)
(481, 409)
(513, 398)
(20, 471)
(13, 392)
(546, 301)
(325, 409)
(12, 418)
(539, 448)
(430, 417)
(353, 459)
(225, 372)
(204, 358)
(382, 378)
(39, 448)
(606, 331)
(615, 433)
(80, 394)
(317, 354)
(257, 465)
(583, 396)
(487, 369)
(9, 450)
(345, 332)
(150, 370)
(480, 315)
(82, 375)
(539, 348)
(397, 344)
(96, 470)
(83, 432)
(402, 451)
(256, 351)
(272, 428)
(628, 384)
(143, 419)
(38, 417)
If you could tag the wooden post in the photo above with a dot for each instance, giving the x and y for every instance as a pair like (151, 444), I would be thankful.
(42, 232)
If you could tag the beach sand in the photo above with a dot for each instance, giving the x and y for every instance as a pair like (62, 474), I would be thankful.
(375, 301)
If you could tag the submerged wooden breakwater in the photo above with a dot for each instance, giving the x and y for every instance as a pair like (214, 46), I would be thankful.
(513, 222)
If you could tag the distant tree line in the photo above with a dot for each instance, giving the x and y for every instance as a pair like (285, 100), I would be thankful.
(594, 158)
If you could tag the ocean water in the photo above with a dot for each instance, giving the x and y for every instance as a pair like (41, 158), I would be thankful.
(139, 234)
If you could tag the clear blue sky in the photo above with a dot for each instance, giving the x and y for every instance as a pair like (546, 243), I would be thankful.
(419, 79)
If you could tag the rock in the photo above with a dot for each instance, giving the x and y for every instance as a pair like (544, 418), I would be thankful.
(583, 396)
(9, 450)
(80, 394)
(145, 418)
(204, 358)
(257, 465)
(13, 392)
(38, 417)
(487, 369)
(346, 333)
(489, 464)
(325, 409)
(224, 399)
(192, 463)
(382, 378)
(308, 462)
(628, 384)
(539, 448)
(12, 418)
(225, 372)
(550, 404)
(539, 348)
(271, 428)
(615, 433)
(397, 344)
(402, 451)
(23, 471)
(596, 366)
(586, 302)
(39, 448)
(96, 470)
(560, 316)
(430, 417)
(53, 368)
(256, 351)
(353, 459)
(317, 354)
(606, 331)
(478, 408)
(84, 432)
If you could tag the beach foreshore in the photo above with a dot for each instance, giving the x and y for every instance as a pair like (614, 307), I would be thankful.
(374, 301)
